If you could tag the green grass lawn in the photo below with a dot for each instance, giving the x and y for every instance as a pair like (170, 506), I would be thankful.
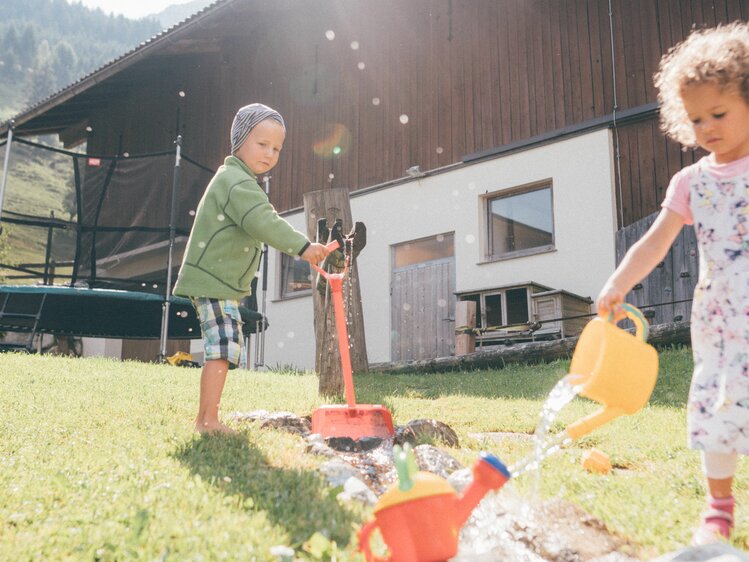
(98, 460)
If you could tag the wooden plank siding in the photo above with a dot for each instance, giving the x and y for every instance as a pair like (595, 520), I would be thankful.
(470, 75)
(665, 295)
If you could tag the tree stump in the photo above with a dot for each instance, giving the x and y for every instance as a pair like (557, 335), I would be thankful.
(332, 204)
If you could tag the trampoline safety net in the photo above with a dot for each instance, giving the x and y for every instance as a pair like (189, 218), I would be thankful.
(109, 225)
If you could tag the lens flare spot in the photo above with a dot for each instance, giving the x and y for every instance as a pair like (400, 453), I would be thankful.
(181, 94)
(361, 66)
(201, 244)
(355, 45)
(330, 34)
(440, 150)
(406, 306)
(375, 101)
(442, 303)
(403, 119)
(470, 239)
(336, 141)
(280, 344)
(191, 212)
(290, 335)
(440, 238)
(221, 218)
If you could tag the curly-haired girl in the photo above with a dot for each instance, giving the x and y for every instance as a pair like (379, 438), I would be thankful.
(703, 90)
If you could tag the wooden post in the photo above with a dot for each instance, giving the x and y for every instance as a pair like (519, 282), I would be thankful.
(332, 204)
(465, 322)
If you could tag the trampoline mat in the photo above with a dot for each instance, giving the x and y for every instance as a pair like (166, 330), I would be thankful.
(102, 313)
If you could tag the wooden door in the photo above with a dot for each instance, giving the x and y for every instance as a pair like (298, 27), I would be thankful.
(423, 301)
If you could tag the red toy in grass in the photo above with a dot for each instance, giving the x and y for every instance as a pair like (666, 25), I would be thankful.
(350, 420)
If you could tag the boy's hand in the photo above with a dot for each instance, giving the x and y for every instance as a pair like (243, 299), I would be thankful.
(315, 253)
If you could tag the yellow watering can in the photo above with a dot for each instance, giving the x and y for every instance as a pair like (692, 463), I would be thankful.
(616, 368)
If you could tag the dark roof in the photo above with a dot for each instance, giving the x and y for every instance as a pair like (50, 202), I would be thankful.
(71, 105)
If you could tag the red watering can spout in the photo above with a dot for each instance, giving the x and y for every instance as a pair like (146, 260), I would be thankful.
(488, 474)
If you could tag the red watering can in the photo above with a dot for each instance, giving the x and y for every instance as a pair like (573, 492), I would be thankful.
(420, 517)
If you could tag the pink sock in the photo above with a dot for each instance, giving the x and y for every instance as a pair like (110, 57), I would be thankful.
(718, 519)
(722, 504)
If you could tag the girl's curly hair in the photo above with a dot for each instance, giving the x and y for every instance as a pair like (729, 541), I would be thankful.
(717, 56)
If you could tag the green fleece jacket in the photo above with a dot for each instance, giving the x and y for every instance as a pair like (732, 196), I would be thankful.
(233, 220)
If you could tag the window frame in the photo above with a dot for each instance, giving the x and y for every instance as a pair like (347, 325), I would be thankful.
(481, 315)
(486, 222)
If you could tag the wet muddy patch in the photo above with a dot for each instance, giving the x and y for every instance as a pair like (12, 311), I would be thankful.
(503, 527)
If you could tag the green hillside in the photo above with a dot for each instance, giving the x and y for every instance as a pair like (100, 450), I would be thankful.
(45, 45)
(39, 183)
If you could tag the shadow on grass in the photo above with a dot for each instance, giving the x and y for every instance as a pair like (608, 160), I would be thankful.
(530, 382)
(299, 501)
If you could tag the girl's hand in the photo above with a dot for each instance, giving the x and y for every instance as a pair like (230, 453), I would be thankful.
(315, 253)
(609, 301)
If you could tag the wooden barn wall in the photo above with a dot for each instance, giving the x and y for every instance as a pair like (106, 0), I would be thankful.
(646, 163)
(665, 295)
(469, 75)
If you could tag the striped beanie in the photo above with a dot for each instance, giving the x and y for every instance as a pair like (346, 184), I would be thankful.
(247, 119)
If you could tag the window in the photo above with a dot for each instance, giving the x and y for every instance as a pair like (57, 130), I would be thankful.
(517, 305)
(520, 223)
(296, 278)
(426, 249)
(501, 307)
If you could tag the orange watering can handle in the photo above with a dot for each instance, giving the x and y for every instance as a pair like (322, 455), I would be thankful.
(364, 537)
(642, 328)
(589, 423)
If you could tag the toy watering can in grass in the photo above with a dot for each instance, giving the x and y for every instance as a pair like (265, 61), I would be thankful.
(615, 368)
(420, 517)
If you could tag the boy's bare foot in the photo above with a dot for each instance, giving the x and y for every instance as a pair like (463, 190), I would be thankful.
(213, 427)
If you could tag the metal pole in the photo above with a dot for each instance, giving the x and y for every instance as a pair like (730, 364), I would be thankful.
(11, 124)
(48, 250)
(260, 337)
(172, 233)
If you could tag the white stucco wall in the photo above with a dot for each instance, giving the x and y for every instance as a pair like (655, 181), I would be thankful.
(101, 347)
(581, 172)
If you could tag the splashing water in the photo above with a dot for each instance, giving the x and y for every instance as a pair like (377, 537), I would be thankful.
(544, 445)
(491, 525)
(494, 522)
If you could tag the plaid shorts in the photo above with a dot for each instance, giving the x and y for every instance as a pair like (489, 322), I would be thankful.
(221, 327)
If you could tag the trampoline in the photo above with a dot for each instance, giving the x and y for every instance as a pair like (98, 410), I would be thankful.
(129, 216)
(101, 313)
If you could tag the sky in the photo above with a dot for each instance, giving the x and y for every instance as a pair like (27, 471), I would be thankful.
(129, 8)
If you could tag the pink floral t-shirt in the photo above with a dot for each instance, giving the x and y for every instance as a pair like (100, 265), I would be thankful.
(677, 194)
